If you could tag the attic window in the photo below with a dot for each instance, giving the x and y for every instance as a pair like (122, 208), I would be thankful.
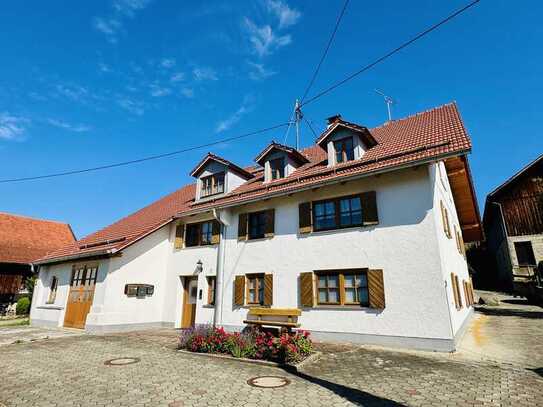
(344, 150)
(213, 184)
(277, 168)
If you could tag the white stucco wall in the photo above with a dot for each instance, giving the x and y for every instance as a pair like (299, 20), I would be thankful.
(42, 314)
(451, 260)
(404, 245)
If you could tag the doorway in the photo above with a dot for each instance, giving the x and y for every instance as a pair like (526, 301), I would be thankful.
(190, 296)
(81, 294)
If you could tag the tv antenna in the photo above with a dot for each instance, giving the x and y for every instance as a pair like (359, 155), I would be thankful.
(389, 101)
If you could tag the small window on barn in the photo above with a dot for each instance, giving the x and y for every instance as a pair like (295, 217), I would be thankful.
(53, 290)
(525, 254)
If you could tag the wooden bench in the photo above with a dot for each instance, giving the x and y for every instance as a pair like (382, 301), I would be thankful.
(287, 313)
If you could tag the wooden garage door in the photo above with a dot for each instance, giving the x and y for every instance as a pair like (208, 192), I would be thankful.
(81, 295)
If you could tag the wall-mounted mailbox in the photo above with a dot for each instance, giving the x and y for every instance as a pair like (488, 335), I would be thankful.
(139, 290)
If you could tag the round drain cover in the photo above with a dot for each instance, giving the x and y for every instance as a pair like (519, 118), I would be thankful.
(269, 382)
(121, 361)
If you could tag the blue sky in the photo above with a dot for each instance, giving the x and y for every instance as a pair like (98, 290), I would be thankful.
(113, 80)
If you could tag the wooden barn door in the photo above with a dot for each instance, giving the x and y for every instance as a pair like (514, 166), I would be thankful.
(81, 295)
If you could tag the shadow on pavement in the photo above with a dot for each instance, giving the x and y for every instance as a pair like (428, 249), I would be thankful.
(518, 301)
(348, 393)
(508, 312)
(539, 371)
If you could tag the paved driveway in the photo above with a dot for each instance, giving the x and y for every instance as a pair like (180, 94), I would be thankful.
(18, 334)
(70, 371)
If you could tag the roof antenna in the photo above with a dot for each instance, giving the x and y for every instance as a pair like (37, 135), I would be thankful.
(389, 101)
(298, 118)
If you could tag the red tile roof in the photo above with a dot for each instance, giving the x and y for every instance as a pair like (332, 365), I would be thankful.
(24, 239)
(212, 157)
(427, 135)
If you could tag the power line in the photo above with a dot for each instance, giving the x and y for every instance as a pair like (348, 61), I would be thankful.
(311, 127)
(394, 51)
(139, 160)
(338, 21)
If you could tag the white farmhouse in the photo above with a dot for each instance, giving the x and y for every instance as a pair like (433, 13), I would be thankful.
(363, 232)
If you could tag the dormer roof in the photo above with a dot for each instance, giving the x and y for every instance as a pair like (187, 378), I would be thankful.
(230, 165)
(336, 122)
(294, 154)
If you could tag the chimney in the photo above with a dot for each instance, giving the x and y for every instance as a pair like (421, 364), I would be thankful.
(333, 119)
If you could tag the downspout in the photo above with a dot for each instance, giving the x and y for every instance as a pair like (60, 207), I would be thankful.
(219, 269)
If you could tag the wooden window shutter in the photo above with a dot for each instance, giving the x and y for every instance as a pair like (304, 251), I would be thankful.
(458, 294)
(466, 295)
(457, 239)
(239, 290)
(216, 232)
(376, 289)
(445, 220)
(179, 235)
(306, 289)
(242, 226)
(270, 223)
(268, 289)
(454, 290)
(369, 208)
(305, 218)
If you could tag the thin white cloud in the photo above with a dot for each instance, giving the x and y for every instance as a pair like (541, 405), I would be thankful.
(177, 77)
(187, 92)
(167, 62)
(259, 71)
(246, 107)
(263, 39)
(112, 25)
(77, 128)
(12, 128)
(129, 7)
(159, 91)
(104, 67)
(131, 105)
(287, 16)
(205, 74)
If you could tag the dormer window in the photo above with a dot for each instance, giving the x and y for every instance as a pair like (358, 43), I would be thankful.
(212, 184)
(344, 149)
(277, 168)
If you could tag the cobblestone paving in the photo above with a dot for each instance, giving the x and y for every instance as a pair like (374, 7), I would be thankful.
(71, 372)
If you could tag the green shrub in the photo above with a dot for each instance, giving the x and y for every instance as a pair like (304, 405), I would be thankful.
(23, 306)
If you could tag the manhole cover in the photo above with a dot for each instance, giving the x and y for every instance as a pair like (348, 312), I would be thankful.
(269, 382)
(121, 361)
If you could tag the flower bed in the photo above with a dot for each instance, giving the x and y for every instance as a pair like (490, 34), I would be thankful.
(251, 344)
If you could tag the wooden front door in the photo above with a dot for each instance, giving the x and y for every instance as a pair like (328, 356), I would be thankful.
(190, 295)
(81, 295)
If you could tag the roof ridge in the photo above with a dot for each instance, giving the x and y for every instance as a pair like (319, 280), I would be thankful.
(58, 222)
(453, 103)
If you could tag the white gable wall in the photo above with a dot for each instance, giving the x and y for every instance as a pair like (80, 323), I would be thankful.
(451, 260)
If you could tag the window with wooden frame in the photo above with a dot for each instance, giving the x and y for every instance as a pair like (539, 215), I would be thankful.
(52, 291)
(255, 289)
(525, 253)
(445, 220)
(211, 283)
(349, 287)
(344, 149)
(337, 213)
(456, 291)
(212, 184)
(277, 168)
(257, 225)
(202, 233)
(84, 275)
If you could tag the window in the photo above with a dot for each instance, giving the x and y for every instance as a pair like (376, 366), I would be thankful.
(255, 289)
(343, 288)
(84, 276)
(525, 254)
(445, 220)
(52, 290)
(277, 168)
(337, 213)
(344, 150)
(199, 234)
(211, 281)
(257, 225)
(212, 184)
